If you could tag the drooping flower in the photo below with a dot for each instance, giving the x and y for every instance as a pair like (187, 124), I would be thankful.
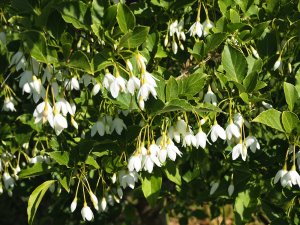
(8, 181)
(239, 149)
(98, 127)
(94, 200)
(291, 178)
(43, 113)
(201, 139)
(63, 106)
(8, 104)
(135, 162)
(133, 84)
(19, 60)
(214, 187)
(217, 132)
(232, 130)
(73, 205)
(117, 85)
(277, 63)
(210, 97)
(71, 84)
(196, 29)
(87, 213)
(280, 176)
(118, 125)
(59, 123)
(253, 143)
(207, 25)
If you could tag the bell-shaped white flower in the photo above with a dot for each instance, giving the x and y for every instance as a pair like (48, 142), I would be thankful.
(103, 204)
(239, 149)
(59, 123)
(98, 127)
(133, 84)
(238, 120)
(196, 29)
(189, 139)
(141, 62)
(118, 125)
(73, 205)
(217, 132)
(181, 126)
(173, 28)
(71, 84)
(253, 143)
(87, 213)
(63, 106)
(280, 176)
(210, 97)
(173, 134)
(201, 139)
(43, 113)
(207, 25)
(172, 150)
(232, 130)
(8, 181)
(291, 178)
(118, 85)
(108, 80)
(135, 162)
(8, 104)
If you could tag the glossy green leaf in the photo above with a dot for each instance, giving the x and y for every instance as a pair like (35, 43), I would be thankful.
(35, 170)
(35, 199)
(135, 38)
(290, 121)
(125, 18)
(151, 185)
(234, 63)
(271, 118)
(80, 61)
(291, 95)
(62, 158)
(171, 89)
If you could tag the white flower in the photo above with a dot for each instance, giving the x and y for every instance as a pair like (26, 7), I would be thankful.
(201, 139)
(210, 97)
(59, 123)
(128, 178)
(174, 134)
(117, 85)
(291, 178)
(133, 84)
(73, 205)
(174, 47)
(173, 28)
(25, 80)
(277, 64)
(252, 142)
(230, 189)
(98, 127)
(94, 200)
(47, 74)
(172, 150)
(108, 79)
(103, 204)
(141, 103)
(71, 84)
(217, 131)
(118, 125)
(196, 29)
(279, 176)
(43, 113)
(36, 159)
(181, 126)
(108, 124)
(8, 180)
(141, 62)
(120, 192)
(207, 25)
(189, 139)
(135, 162)
(9, 104)
(266, 105)
(96, 89)
(87, 213)
(214, 187)
(254, 52)
(62, 105)
(232, 130)
(239, 149)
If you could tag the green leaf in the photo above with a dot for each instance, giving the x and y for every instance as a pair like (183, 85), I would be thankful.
(175, 105)
(234, 63)
(290, 121)
(250, 82)
(79, 60)
(91, 161)
(271, 118)
(35, 170)
(135, 38)
(64, 183)
(74, 12)
(36, 43)
(241, 203)
(35, 199)
(172, 173)
(62, 158)
(151, 185)
(214, 40)
(191, 85)
(291, 95)
(125, 18)
(171, 89)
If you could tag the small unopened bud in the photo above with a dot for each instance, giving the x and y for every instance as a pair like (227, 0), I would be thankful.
(129, 65)
(114, 178)
(174, 47)
(94, 200)
(254, 52)
(103, 204)
(166, 41)
(277, 64)
(74, 123)
(290, 67)
(230, 189)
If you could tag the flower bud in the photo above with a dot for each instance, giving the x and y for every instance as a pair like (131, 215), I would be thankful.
(94, 200)
(74, 205)
(277, 64)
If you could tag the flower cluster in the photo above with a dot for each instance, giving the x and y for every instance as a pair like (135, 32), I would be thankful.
(106, 125)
